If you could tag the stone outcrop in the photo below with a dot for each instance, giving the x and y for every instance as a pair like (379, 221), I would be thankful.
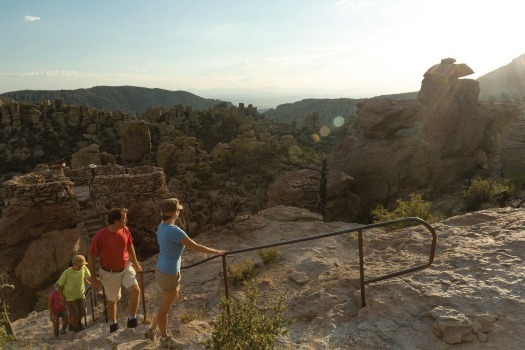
(86, 156)
(246, 139)
(385, 167)
(301, 188)
(452, 118)
(429, 145)
(47, 257)
(181, 154)
(135, 142)
(380, 117)
(34, 204)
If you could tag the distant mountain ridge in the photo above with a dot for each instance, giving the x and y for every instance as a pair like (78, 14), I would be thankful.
(129, 99)
(503, 83)
(508, 80)
(327, 109)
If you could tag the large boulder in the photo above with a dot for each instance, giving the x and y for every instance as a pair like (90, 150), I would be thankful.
(302, 188)
(86, 156)
(48, 256)
(135, 140)
(381, 117)
(385, 168)
(22, 223)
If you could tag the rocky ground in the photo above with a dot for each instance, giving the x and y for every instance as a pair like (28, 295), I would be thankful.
(472, 297)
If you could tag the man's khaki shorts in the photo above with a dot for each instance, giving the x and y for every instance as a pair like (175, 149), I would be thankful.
(112, 281)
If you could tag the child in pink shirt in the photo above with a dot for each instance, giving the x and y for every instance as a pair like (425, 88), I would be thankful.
(57, 311)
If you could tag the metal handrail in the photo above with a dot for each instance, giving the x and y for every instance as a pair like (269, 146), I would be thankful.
(359, 230)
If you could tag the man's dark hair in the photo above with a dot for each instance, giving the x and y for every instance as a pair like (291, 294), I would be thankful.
(115, 214)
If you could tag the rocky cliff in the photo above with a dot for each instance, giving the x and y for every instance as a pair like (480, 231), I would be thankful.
(430, 145)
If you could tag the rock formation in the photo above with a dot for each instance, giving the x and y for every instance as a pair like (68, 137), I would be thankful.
(429, 145)
(42, 225)
(135, 142)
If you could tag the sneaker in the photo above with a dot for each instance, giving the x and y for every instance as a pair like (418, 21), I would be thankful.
(79, 328)
(63, 331)
(150, 334)
(169, 343)
(113, 327)
(132, 323)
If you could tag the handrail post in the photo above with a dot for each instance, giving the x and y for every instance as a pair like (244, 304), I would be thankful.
(105, 306)
(142, 295)
(225, 278)
(92, 297)
(361, 267)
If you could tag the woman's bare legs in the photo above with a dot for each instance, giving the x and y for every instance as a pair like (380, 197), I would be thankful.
(162, 314)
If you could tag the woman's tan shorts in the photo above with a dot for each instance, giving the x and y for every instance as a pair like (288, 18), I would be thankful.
(168, 283)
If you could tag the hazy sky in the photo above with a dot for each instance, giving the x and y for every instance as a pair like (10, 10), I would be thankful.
(326, 48)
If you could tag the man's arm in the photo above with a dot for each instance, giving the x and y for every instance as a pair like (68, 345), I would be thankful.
(91, 265)
(133, 257)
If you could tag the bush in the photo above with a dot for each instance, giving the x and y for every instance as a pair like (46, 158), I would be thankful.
(483, 190)
(247, 327)
(242, 271)
(415, 206)
(5, 337)
(269, 255)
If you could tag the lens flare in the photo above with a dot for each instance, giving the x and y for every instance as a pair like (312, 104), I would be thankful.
(324, 131)
(339, 121)
(315, 138)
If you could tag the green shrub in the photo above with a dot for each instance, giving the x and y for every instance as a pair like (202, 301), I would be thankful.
(247, 327)
(414, 207)
(5, 337)
(483, 190)
(242, 271)
(269, 255)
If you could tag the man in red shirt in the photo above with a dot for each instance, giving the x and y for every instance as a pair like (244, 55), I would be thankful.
(113, 245)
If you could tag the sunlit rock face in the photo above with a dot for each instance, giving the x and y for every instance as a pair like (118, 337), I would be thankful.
(450, 112)
(381, 117)
(429, 144)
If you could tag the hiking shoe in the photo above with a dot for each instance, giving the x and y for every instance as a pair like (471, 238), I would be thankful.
(70, 327)
(79, 328)
(132, 323)
(150, 334)
(113, 327)
(63, 331)
(169, 343)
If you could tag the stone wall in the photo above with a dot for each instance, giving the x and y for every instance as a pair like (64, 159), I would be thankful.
(36, 203)
(137, 183)
(37, 188)
(82, 175)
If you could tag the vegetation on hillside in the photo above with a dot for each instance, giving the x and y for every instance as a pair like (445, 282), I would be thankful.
(240, 324)
(129, 99)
